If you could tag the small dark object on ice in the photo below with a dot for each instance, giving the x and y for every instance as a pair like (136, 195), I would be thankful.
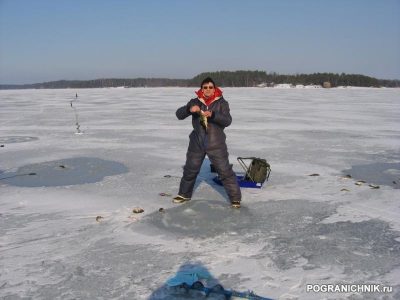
(161, 210)
(99, 218)
(165, 195)
(138, 210)
(1, 145)
(169, 176)
(360, 182)
(62, 166)
(374, 187)
(315, 174)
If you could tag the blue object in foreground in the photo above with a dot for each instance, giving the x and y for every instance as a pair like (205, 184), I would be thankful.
(218, 289)
(189, 277)
(242, 183)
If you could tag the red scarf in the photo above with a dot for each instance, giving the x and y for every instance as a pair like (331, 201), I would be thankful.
(209, 100)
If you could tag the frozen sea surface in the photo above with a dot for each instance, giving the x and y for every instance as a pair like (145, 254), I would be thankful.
(69, 171)
(294, 231)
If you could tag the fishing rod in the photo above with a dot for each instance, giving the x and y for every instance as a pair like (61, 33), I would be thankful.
(76, 116)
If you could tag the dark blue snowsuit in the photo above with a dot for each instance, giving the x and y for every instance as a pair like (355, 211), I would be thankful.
(210, 142)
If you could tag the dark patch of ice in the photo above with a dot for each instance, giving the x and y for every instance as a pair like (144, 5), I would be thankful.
(17, 139)
(291, 229)
(294, 230)
(377, 173)
(62, 172)
(199, 218)
(109, 271)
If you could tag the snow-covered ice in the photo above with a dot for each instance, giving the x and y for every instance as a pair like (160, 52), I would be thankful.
(294, 231)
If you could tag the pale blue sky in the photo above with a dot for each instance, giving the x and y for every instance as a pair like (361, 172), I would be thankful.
(47, 40)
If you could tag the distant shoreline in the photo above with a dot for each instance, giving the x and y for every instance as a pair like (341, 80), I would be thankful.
(223, 87)
(222, 79)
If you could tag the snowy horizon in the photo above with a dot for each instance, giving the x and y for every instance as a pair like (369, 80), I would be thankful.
(294, 231)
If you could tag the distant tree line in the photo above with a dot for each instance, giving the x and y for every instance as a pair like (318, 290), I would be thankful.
(395, 83)
(239, 78)
(101, 83)
(254, 78)
(234, 79)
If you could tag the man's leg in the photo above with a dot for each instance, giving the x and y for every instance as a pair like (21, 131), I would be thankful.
(220, 160)
(192, 168)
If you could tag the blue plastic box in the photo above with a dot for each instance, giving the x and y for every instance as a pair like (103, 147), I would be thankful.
(242, 183)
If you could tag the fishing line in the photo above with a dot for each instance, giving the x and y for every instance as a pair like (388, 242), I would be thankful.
(76, 116)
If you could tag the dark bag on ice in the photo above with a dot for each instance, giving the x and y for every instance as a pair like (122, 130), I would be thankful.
(258, 170)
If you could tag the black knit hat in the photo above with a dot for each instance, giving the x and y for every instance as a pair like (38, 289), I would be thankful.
(207, 80)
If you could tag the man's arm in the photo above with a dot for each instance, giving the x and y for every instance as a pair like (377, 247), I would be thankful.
(222, 117)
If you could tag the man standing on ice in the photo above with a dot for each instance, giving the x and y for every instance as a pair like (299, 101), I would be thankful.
(210, 115)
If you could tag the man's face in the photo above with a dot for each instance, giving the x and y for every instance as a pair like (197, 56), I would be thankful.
(208, 89)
